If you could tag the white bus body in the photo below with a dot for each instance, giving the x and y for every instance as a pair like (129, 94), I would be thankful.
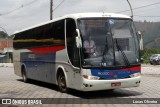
(49, 52)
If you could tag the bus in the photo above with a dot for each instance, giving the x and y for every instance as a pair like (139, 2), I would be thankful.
(55, 52)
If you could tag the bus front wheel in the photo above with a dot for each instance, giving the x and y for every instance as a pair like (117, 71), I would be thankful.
(62, 82)
(24, 76)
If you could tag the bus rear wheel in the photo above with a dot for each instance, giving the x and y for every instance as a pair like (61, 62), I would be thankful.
(62, 82)
(24, 76)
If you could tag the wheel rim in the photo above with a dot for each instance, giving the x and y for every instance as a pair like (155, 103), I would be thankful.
(62, 83)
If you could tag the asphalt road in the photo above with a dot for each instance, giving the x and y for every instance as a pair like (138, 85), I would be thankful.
(12, 86)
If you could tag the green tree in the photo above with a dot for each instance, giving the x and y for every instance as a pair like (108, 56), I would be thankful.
(3, 34)
(147, 52)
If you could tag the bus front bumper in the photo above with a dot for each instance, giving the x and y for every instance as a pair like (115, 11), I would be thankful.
(93, 85)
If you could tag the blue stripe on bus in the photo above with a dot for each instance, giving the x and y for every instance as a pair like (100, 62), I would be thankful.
(39, 66)
(113, 74)
(31, 56)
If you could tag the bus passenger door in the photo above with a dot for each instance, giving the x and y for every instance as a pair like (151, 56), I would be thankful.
(73, 53)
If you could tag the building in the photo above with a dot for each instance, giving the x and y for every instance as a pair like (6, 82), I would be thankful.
(6, 48)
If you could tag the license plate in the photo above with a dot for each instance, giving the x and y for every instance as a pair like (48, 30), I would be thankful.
(115, 84)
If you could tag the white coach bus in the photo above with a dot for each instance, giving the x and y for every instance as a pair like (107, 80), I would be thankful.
(83, 51)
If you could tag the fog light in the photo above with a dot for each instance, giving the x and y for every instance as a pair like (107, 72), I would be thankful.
(86, 85)
(135, 75)
(91, 77)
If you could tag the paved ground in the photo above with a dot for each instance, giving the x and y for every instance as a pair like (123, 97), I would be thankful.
(150, 69)
(11, 86)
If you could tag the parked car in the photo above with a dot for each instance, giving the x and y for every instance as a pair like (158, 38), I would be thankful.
(155, 59)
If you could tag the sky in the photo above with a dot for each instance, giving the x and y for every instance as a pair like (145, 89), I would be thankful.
(19, 14)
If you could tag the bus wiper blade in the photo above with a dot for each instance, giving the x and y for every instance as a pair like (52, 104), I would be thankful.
(123, 54)
(103, 56)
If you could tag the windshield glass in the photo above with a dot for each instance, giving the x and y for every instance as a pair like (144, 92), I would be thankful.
(108, 42)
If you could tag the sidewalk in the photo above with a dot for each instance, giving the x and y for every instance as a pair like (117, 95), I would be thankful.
(6, 64)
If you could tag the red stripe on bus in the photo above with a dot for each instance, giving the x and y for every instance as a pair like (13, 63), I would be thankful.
(46, 50)
(137, 68)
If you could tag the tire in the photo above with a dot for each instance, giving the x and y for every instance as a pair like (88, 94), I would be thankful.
(24, 76)
(62, 82)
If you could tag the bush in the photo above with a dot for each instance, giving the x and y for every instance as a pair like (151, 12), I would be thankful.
(147, 52)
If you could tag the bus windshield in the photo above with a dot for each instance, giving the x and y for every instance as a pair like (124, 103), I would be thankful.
(108, 42)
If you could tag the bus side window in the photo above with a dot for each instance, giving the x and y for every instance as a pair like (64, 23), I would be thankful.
(72, 50)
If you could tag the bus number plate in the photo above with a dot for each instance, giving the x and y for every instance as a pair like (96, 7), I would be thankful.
(115, 84)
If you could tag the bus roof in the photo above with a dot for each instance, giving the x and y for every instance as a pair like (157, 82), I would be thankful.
(76, 16)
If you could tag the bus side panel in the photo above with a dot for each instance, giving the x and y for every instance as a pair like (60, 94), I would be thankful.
(19, 61)
(73, 75)
(61, 59)
(17, 64)
(27, 60)
(43, 71)
(42, 67)
(38, 65)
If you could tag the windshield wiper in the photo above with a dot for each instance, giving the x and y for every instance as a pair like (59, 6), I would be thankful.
(103, 55)
(123, 54)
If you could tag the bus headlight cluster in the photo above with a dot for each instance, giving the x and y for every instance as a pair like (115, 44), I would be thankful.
(135, 75)
(91, 77)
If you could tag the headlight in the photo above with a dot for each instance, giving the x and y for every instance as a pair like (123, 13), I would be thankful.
(91, 77)
(135, 75)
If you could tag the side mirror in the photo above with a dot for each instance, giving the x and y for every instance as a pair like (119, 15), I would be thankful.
(139, 34)
(78, 39)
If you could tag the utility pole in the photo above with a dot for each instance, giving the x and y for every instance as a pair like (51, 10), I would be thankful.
(130, 8)
(51, 9)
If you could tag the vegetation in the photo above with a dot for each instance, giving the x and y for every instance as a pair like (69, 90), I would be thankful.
(3, 34)
(147, 52)
(150, 32)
